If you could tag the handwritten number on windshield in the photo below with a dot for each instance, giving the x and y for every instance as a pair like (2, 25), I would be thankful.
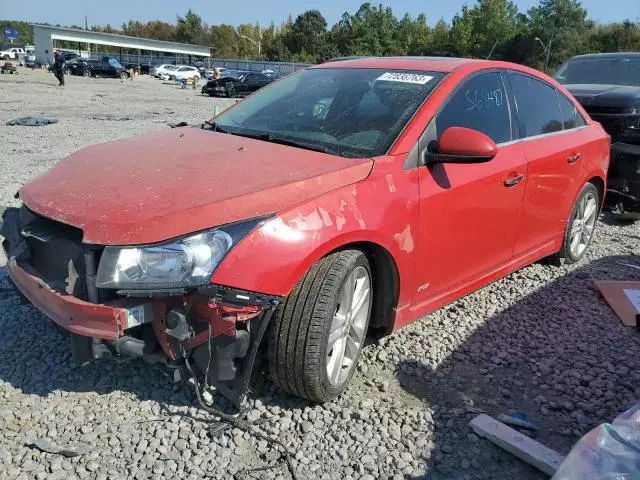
(477, 98)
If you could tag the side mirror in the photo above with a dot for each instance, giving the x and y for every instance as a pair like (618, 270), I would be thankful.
(462, 145)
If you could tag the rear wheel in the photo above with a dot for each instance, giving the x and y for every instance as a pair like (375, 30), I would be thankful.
(123, 75)
(67, 71)
(319, 331)
(581, 225)
(86, 73)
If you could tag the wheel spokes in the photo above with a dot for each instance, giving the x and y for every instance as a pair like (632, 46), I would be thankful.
(348, 325)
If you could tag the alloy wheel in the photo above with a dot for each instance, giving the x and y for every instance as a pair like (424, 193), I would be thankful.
(583, 224)
(347, 332)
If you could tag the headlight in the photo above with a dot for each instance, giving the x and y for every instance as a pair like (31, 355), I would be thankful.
(185, 262)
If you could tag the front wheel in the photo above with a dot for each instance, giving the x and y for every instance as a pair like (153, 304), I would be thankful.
(581, 225)
(123, 75)
(86, 73)
(231, 91)
(319, 331)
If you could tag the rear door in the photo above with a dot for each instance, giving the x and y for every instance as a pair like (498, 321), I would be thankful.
(553, 142)
(469, 212)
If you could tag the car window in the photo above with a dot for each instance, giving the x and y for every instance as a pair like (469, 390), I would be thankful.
(571, 117)
(481, 104)
(355, 112)
(183, 69)
(252, 77)
(538, 107)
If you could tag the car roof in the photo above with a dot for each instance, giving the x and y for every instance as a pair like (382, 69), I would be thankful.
(609, 55)
(433, 64)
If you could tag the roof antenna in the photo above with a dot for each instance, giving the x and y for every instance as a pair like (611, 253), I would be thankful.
(491, 52)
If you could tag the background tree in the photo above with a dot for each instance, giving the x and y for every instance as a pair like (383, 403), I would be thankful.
(190, 29)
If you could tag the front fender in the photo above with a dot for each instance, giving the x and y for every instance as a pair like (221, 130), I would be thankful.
(383, 210)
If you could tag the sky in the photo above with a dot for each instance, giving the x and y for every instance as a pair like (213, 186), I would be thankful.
(116, 12)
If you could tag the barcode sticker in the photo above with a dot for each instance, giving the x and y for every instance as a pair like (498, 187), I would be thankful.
(405, 77)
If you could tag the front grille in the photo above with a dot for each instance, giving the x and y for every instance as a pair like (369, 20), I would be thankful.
(56, 253)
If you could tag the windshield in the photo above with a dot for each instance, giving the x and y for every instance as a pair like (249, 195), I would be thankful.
(343, 111)
(115, 63)
(601, 71)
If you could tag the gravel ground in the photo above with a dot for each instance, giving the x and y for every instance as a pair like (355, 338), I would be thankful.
(539, 341)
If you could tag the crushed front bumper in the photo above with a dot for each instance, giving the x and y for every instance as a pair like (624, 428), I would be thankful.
(219, 328)
(623, 181)
(72, 314)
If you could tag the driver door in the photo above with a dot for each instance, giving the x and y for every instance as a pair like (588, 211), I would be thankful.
(469, 213)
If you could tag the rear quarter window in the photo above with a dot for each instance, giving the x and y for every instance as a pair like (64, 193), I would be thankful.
(571, 117)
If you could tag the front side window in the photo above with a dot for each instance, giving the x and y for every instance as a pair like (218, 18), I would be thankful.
(355, 112)
(538, 108)
(481, 104)
(571, 117)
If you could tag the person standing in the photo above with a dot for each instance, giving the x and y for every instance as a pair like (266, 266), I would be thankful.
(58, 67)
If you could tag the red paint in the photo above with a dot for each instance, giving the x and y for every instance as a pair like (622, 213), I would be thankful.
(465, 142)
(152, 188)
(450, 228)
(68, 311)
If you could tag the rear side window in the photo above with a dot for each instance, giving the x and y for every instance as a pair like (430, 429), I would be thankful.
(481, 104)
(538, 108)
(571, 117)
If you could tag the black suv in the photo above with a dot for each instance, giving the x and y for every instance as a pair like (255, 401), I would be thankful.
(104, 67)
(608, 87)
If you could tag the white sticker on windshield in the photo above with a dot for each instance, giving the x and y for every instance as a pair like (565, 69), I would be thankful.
(405, 77)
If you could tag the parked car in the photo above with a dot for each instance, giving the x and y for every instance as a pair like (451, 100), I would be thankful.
(608, 87)
(348, 197)
(235, 83)
(163, 69)
(140, 69)
(107, 67)
(184, 73)
(69, 55)
(12, 53)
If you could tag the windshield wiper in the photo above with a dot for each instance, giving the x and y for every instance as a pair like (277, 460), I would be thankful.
(213, 126)
(267, 137)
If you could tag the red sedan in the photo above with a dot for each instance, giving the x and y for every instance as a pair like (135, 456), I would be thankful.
(351, 196)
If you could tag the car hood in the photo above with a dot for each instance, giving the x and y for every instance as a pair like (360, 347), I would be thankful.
(159, 186)
(605, 95)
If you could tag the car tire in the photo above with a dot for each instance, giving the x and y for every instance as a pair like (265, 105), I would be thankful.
(320, 310)
(86, 73)
(67, 72)
(231, 91)
(580, 227)
(123, 75)
(97, 75)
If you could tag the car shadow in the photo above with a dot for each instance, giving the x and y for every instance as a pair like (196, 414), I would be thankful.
(544, 356)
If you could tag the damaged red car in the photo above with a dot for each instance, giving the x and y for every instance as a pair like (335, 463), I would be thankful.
(350, 197)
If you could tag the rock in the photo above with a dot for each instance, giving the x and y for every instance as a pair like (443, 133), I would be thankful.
(306, 427)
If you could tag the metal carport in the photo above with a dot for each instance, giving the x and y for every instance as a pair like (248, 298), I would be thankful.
(44, 36)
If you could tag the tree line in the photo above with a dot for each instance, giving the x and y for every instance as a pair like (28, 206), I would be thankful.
(552, 32)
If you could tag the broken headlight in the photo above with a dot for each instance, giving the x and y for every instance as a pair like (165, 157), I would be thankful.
(185, 262)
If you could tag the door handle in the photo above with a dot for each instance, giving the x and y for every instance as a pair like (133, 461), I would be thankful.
(513, 181)
(574, 158)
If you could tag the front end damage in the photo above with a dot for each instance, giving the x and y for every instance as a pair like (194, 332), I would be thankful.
(623, 181)
(219, 329)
